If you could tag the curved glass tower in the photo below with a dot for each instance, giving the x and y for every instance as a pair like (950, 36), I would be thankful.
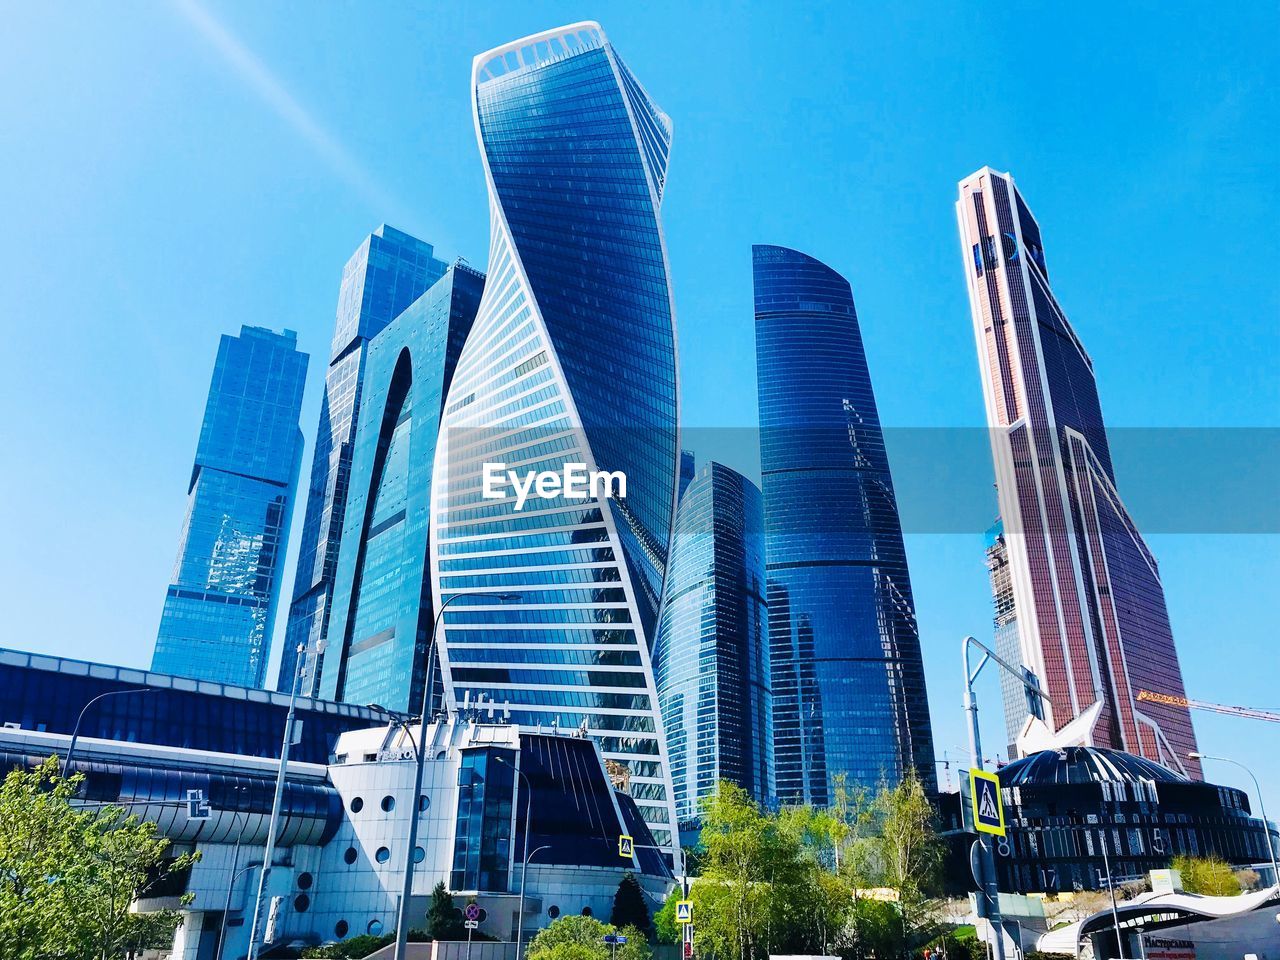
(848, 681)
(571, 361)
(711, 658)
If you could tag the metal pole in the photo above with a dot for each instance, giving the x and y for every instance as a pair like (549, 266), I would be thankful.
(226, 908)
(75, 731)
(406, 889)
(470, 931)
(524, 865)
(222, 936)
(524, 870)
(1262, 810)
(275, 805)
(986, 860)
(1111, 888)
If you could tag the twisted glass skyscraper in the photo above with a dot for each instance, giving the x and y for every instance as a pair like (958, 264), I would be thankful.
(711, 659)
(848, 682)
(571, 360)
(220, 607)
(1089, 605)
(389, 271)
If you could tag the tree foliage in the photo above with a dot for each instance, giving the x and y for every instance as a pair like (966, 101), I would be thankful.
(629, 906)
(444, 920)
(1208, 876)
(855, 879)
(69, 874)
(582, 938)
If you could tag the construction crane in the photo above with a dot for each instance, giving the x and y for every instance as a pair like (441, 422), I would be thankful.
(1253, 713)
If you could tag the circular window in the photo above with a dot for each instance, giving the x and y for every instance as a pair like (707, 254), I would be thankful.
(305, 880)
(586, 911)
(340, 929)
(423, 802)
(374, 929)
(419, 854)
(301, 902)
(553, 911)
(357, 804)
(383, 855)
(388, 803)
(350, 856)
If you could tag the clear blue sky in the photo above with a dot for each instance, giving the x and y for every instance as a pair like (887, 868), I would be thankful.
(173, 171)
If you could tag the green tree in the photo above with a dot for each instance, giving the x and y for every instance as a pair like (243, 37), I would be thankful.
(444, 920)
(910, 857)
(1209, 876)
(70, 875)
(664, 921)
(629, 906)
(571, 938)
(636, 947)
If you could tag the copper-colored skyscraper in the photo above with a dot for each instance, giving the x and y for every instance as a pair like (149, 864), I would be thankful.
(1090, 609)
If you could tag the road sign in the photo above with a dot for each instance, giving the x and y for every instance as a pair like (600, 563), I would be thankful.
(988, 811)
(197, 809)
(614, 938)
(471, 911)
(471, 924)
(688, 950)
(626, 847)
(684, 911)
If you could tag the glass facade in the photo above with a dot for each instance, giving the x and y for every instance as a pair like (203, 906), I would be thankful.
(384, 276)
(482, 837)
(382, 613)
(848, 681)
(1091, 618)
(46, 694)
(711, 658)
(571, 360)
(220, 606)
(1005, 622)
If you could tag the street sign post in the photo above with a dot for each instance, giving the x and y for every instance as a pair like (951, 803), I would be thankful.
(626, 847)
(471, 924)
(472, 911)
(684, 911)
(988, 810)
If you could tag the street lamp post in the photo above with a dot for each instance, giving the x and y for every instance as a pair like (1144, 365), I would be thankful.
(1262, 810)
(1111, 888)
(524, 866)
(75, 731)
(270, 850)
(226, 909)
(406, 890)
(990, 892)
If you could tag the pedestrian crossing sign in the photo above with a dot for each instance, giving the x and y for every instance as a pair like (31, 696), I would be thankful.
(684, 911)
(626, 847)
(988, 811)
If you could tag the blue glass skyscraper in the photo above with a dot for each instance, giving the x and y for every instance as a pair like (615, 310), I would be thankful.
(711, 658)
(571, 361)
(389, 271)
(220, 607)
(848, 681)
(382, 613)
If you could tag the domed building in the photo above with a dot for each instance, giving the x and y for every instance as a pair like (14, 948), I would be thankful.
(1065, 808)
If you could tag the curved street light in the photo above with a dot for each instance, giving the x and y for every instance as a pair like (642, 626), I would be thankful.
(406, 890)
(1266, 825)
(75, 731)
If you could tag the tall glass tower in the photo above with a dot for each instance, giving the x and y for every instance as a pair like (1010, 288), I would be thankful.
(848, 682)
(382, 613)
(572, 359)
(220, 607)
(1090, 610)
(711, 658)
(389, 271)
